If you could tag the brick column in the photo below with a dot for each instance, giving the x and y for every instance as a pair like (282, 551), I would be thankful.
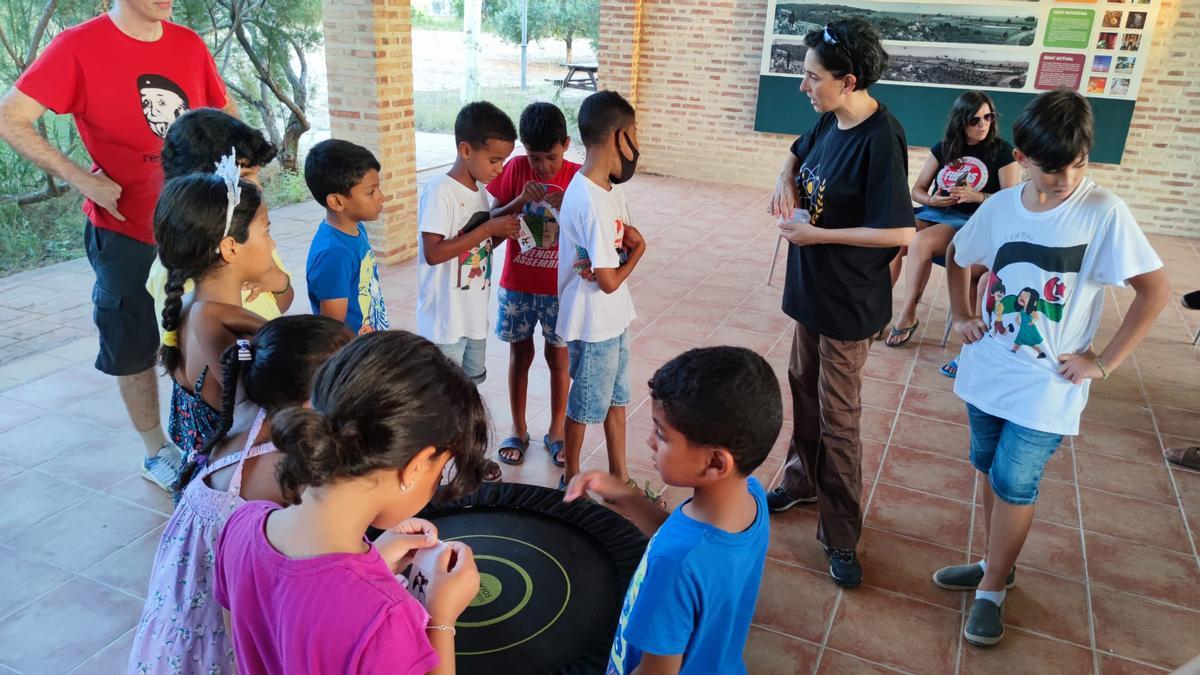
(368, 53)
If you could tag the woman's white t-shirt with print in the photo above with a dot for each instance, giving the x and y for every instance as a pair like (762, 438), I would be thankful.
(591, 230)
(452, 302)
(1044, 295)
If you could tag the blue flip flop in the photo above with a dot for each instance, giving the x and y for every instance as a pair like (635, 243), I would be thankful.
(513, 443)
(554, 448)
(950, 370)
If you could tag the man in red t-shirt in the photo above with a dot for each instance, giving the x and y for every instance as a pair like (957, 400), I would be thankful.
(529, 284)
(125, 76)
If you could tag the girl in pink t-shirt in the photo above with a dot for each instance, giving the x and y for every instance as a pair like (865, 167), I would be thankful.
(181, 628)
(305, 591)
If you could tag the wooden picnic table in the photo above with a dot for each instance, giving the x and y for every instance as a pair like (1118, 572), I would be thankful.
(579, 76)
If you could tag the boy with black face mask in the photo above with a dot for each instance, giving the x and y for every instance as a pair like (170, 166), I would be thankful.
(598, 249)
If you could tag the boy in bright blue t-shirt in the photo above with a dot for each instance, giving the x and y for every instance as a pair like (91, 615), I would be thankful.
(343, 279)
(717, 412)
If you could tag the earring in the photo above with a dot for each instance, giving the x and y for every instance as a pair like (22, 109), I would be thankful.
(405, 487)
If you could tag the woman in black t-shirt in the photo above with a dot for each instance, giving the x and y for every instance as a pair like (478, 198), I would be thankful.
(851, 171)
(967, 166)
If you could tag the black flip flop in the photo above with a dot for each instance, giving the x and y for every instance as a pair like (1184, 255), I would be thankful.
(906, 332)
(1189, 458)
(1192, 300)
(513, 443)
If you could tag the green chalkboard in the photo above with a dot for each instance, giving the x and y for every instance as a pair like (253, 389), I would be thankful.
(784, 109)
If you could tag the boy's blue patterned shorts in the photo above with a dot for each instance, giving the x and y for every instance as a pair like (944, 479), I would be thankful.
(520, 313)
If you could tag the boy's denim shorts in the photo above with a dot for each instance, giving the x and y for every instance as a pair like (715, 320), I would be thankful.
(470, 355)
(1012, 456)
(599, 378)
(521, 312)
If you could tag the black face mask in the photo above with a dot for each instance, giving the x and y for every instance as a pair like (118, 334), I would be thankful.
(628, 166)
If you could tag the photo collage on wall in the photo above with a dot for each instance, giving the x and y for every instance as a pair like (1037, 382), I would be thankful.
(1098, 47)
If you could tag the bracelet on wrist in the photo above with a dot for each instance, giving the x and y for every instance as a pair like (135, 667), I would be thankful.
(442, 627)
(285, 288)
(1103, 369)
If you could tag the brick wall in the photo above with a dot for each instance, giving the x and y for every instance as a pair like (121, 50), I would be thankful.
(368, 53)
(696, 86)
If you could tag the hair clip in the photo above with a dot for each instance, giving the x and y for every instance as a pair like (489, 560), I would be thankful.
(231, 173)
(829, 39)
(243, 352)
(170, 338)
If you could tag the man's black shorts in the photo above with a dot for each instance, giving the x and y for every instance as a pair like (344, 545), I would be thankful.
(122, 308)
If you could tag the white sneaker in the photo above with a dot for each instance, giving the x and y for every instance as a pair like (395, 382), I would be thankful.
(163, 469)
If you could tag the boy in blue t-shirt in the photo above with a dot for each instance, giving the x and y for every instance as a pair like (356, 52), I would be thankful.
(717, 412)
(343, 279)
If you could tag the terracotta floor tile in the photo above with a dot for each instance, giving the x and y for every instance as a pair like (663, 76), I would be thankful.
(1179, 423)
(112, 659)
(8, 470)
(888, 368)
(66, 627)
(728, 335)
(1120, 412)
(1133, 519)
(22, 579)
(906, 566)
(1111, 665)
(767, 323)
(871, 458)
(659, 350)
(1109, 439)
(876, 423)
(128, 568)
(1131, 627)
(895, 631)
(1048, 605)
(1057, 503)
(929, 472)
(85, 533)
(47, 437)
(64, 387)
(1173, 395)
(1021, 652)
(916, 514)
(14, 413)
(33, 496)
(1061, 466)
(769, 653)
(882, 394)
(1187, 481)
(1052, 548)
(142, 492)
(689, 329)
(836, 663)
(1143, 570)
(929, 377)
(922, 433)
(935, 404)
(1135, 479)
(798, 603)
(794, 539)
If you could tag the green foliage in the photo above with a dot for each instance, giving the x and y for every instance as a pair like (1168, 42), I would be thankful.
(565, 20)
(436, 110)
(423, 21)
(282, 187)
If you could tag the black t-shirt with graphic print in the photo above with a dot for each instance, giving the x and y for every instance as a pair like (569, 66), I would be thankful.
(854, 177)
(978, 169)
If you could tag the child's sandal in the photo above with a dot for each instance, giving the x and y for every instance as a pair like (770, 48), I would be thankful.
(513, 443)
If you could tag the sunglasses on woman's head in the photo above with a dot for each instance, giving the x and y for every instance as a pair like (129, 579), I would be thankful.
(974, 121)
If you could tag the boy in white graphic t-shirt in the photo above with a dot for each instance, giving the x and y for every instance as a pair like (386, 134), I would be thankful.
(1051, 246)
(597, 250)
(457, 235)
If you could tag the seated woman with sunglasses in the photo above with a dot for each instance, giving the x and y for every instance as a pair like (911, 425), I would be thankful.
(968, 165)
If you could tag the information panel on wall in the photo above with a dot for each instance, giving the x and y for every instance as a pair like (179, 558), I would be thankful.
(1011, 49)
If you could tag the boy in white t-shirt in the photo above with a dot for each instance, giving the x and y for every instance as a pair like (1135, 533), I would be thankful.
(597, 250)
(457, 235)
(1051, 245)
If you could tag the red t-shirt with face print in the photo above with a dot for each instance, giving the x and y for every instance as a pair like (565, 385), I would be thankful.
(124, 94)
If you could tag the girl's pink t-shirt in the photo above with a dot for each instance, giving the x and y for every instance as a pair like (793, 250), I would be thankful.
(336, 613)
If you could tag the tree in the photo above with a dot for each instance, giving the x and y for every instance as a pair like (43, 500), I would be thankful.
(259, 46)
(565, 20)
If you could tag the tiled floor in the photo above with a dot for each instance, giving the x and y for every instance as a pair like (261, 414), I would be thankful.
(1109, 581)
